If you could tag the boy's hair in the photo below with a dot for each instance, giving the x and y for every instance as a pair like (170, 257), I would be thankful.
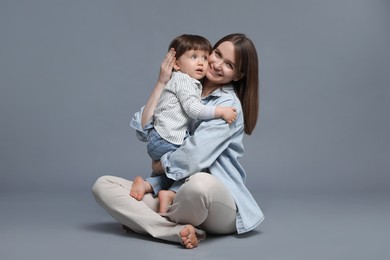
(186, 42)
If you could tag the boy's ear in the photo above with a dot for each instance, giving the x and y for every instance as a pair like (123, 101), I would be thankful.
(176, 66)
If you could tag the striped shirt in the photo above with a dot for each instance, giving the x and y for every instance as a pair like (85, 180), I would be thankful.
(180, 102)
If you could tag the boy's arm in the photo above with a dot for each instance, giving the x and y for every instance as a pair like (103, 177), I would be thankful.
(229, 114)
(189, 99)
(165, 75)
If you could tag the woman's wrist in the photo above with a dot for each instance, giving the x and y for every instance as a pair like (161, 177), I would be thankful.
(161, 84)
(157, 167)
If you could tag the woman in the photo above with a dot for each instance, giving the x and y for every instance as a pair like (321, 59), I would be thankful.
(214, 198)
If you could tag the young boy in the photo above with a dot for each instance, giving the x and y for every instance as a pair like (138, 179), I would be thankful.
(179, 103)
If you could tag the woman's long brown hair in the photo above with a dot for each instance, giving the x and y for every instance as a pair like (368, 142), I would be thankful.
(247, 87)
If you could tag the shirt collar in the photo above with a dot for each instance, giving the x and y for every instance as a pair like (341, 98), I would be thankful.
(221, 90)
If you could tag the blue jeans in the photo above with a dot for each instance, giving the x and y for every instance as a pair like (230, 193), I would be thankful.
(157, 147)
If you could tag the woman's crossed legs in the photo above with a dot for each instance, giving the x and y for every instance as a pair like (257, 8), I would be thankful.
(202, 201)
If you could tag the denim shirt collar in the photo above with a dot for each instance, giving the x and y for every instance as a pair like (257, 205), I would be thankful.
(220, 91)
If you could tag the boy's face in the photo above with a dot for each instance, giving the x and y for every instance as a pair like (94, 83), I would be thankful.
(194, 63)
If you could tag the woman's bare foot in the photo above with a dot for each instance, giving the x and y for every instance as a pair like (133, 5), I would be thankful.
(165, 198)
(139, 188)
(188, 236)
(126, 228)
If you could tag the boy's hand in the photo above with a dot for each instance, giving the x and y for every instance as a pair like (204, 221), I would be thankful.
(229, 114)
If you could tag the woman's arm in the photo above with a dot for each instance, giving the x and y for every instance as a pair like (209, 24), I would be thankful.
(165, 75)
(199, 151)
(202, 149)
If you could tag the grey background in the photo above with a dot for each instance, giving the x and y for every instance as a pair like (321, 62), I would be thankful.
(73, 72)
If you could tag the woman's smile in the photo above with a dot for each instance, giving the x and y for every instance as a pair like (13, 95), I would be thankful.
(214, 72)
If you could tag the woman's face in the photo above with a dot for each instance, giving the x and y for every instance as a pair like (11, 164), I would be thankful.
(222, 69)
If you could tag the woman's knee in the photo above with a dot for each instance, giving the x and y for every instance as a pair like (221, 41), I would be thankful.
(204, 180)
(201, 185)
(204, 200)
(99, 186)
(200, 182)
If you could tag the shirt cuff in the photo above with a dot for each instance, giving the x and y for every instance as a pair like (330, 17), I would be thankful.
(167, 168)
(208, 112)
(165, 163)
(135, 123)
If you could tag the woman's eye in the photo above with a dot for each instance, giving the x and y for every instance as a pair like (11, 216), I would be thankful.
(229, 65)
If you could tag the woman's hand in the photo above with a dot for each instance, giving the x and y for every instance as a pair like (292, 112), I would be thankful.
(167, 66)
(157, 167)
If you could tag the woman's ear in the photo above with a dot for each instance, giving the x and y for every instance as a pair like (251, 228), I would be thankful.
(238, 76)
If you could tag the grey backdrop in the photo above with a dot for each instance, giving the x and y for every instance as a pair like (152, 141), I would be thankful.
(73, 72)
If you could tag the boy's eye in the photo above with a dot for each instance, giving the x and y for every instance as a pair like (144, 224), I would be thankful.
(193, 57)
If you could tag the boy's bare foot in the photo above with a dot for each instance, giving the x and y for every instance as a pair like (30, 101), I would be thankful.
(139, 188)
(188, 236)
(165, 198)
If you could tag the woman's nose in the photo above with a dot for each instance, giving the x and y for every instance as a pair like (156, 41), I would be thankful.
(217, 64)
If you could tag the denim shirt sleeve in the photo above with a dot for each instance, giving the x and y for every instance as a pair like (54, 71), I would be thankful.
(135, 122)
(198, 151)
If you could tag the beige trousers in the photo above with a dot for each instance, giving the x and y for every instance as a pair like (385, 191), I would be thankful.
(202, 201)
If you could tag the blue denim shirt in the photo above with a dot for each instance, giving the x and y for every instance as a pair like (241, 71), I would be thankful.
(216, 146)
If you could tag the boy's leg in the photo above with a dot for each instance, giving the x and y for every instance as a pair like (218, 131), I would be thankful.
(139, 188)
(159, 182)
(165, 198)
(158, 146)
(176, 185)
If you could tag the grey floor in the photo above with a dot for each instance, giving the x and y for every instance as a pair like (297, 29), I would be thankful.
(301, 226)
